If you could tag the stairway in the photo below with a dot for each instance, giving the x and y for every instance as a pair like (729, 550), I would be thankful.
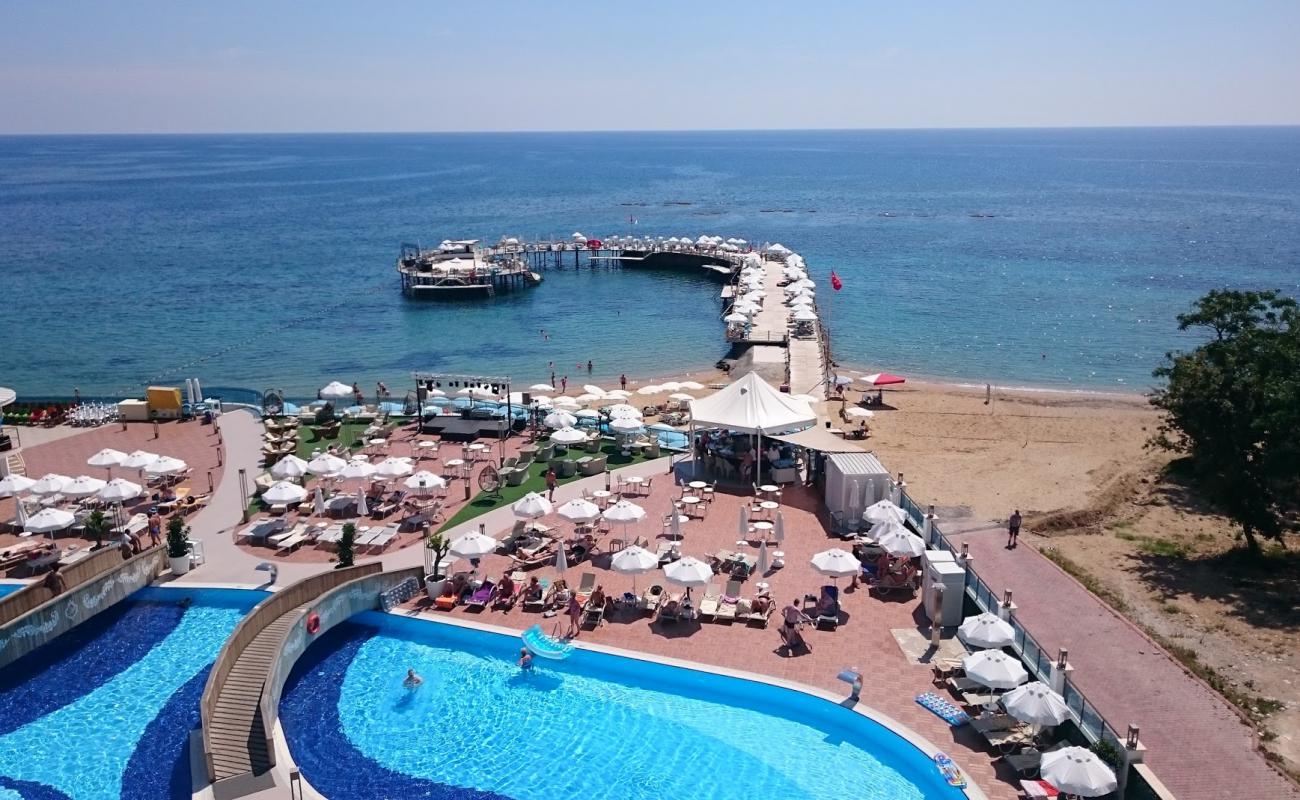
(14, 464)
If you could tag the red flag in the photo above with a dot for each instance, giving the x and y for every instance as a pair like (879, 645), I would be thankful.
(836, 283)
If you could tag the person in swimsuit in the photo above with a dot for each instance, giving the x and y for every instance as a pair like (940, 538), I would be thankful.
(412, 680)
(792, 617)
(525, 658)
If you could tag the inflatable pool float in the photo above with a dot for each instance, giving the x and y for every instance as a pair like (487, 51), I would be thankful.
(950, 771)
(543, 646)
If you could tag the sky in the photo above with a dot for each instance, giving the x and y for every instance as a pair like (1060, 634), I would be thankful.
(146, 66)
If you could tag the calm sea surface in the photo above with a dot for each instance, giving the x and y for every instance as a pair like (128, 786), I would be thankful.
(1055, 258)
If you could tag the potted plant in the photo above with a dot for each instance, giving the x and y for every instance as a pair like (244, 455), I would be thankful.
(345, 546)
(97, 524)
(178, 548)
(436, 547)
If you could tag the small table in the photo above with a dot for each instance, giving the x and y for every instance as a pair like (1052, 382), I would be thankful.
(602, 497)
(636, 482)
(768, 488)
(360, 457)
(763, 527)
(697, 485)
(377, 442)
(769, 505)
(427, 449)
(454, 464)
(778, 559)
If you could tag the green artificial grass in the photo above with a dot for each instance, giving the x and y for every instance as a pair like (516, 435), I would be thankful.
(535, 482)
(349, 437)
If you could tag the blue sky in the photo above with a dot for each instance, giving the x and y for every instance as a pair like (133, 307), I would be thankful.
(401, 65)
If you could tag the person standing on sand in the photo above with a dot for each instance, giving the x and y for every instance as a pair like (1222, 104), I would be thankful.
(564, 384)
(1013, 530)
(622, 381)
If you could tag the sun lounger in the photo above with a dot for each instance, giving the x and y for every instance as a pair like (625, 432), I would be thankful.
(652, 597)
(383, 538)
(540, 603)
(830, 613)
(745, 612)
(541, 556)
(1027, 761)
(727, 609)
(291, 542)
(586, 587)
(721, 560)
(709, 603)
(1008, 740)
(330, 535)
(593, 614)
(278, 537)
(961, 684)
(481, 597)
(258, 531)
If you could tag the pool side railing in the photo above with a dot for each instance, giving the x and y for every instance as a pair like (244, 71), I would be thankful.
(1141, 783)
(256, 621)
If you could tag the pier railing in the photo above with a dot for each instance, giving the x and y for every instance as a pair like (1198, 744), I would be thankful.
(1087, 717)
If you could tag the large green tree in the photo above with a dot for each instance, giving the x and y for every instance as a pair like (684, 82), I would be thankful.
(1233, 406)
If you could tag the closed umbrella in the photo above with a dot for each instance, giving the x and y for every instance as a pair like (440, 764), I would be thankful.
(393, 467)
(107, 458)
(674, 523)
(425, 481)
(836, 563)
(561, 560)
(166, 465)
(531, 506)
(986, 631)
(318, 502)
(20, 513)
(743, 529)
(1077, 770)
(357, 470)
(994, 669)
(13, 483)
(763, 564)
(326, 464)
(633, 561)
(83, 486)
(336, 391)
(578, 510)
(289, 467)
(568, 436)
(778, 530)
(362, 509)
(52, 483)
(884, 511)
(1037, 704)
(473, 545)
(49, 520)
(284, 493)
(560, 419)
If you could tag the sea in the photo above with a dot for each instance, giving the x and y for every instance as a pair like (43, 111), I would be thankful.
(1041, 258)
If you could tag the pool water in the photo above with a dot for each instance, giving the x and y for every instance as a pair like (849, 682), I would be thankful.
(593, 726)
(105, 711)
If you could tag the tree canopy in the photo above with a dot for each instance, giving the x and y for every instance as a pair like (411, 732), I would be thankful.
(1233, 406)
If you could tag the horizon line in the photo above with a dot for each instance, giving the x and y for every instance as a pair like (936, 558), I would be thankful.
(558, 131)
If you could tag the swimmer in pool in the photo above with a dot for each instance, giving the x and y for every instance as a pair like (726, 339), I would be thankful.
(525, 658)
(412, 680)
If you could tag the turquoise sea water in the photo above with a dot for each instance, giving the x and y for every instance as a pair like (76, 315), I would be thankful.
(1053, 257)
(594, 725)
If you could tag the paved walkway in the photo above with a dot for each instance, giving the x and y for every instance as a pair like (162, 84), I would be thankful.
(1196, 743)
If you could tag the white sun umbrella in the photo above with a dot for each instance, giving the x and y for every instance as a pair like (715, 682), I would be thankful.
(542, 401)
(592, 388)
(393, 468)
(671, 386)
(83, 486)
(692, 386)
(1037, 704)
(541, 387)
(625, 513)
(586, 413)
(565, 402)
(49, 520)
(625, 425)
(336, 391)
(623, 411)
(107, 458)
(579, 510)
(425, 481)
(326, 464)
(680, 397)
(735, 318)
(289, 467)
(119, 490)
(568, 436)
(884, 511)
(994, 669)
(621, 394)
(284, 493)
(560, 419)
(357, 470)
(434, 393)
(689, 572)
(473, 545)
(896, 539)
(139, 459)
(1077, 770)
(652, 388)
(587, 397)
(858, 412)
(166, 465)
(531, 506)
(14, 483)
(362, 509)
(836, 563)
(804, 315)
(986, 631)
(51, 483)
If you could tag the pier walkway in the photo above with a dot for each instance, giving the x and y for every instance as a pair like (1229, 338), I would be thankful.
(805, 357)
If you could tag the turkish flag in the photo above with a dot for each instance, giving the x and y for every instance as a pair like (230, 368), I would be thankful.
(836, 283)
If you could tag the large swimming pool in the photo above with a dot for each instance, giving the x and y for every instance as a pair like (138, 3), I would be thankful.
(104, 711)
(594, 726)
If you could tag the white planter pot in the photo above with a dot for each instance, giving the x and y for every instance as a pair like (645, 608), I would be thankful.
(181, 565)
(433, 588)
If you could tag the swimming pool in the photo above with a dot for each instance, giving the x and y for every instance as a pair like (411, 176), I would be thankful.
(594, 726)
(105, 710)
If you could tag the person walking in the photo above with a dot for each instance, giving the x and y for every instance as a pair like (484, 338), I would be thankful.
(550, 483)
(564, 384)
(575, 616)
(1013, 530)
(155, 528)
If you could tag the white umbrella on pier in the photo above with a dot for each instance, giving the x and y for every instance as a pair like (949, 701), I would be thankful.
(14, 483)
(987, 631)
(284, 493)
(335, 390)
(1077, 770)
(83, 486)
(51, 483)
(779, 249)
(48, 520)
(804, 315)
(578, 237)
(289, 467)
